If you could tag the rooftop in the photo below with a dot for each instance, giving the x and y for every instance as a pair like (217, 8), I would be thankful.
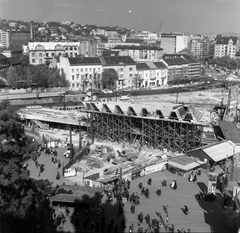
(134, 47)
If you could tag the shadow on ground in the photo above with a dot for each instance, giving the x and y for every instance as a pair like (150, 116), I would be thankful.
(214, 214)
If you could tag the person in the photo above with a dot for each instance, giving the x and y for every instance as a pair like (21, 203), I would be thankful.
(159, 192)
(172, 184)
(147, 218)
(128, 184)
(195, 178)
(143, 191)
(164, 183)
(140, 217)
(58, 175)
(140, 185)
(147, 193)
(175, 185)
(186, 209)
(123, 225)
(132, 208)
(149, 182)
(131, 229)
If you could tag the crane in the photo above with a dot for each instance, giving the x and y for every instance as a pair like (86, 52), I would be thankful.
(159, 30)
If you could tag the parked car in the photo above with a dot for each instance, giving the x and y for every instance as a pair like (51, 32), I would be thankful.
(125, 97)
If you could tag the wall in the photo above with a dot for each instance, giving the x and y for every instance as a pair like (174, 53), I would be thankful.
(168, 44)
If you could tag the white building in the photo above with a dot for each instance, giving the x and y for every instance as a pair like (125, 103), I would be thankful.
(42, 52)
(151, 74)
(82, 73)
(226, 46)
(173, 42)
(4, 39)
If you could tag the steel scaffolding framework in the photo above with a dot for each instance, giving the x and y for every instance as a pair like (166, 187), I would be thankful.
(153, 132)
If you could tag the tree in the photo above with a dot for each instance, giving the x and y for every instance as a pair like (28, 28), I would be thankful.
(137, 80)
(109, 79)
(23, 207)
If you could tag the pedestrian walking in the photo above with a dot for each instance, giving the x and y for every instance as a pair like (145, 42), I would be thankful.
(58, 175)
(147, 218)
(132, 208)
(131, 228)
(140, 185)
(159, 192)
(143, 191)
(128, 184)
(149, 182)
(147, 193)
(186, 211)
(140, 217)
(164, 183)
(175, 185)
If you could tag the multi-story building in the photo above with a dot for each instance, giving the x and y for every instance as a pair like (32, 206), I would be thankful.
(125, 66)
(140, 53)
(42, 52)
(181, 66)
(19, 38)
(200, 47)
(151, 74)
(82, 73)
(111, 33)
(85, 73)
(4, 39)
(173, 42)
(226, 46)
(111, 45)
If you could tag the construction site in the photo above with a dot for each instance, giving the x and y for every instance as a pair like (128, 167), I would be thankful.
(141, 132)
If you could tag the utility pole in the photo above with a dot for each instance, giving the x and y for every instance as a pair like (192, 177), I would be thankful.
(71, 148)
(80, 135)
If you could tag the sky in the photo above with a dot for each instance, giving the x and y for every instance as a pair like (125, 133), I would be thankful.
(188, 16)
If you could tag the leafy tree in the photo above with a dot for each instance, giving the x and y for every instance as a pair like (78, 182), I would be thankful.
(137, 80)
(109, 79)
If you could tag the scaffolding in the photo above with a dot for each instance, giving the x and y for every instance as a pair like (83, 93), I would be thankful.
(154, 133)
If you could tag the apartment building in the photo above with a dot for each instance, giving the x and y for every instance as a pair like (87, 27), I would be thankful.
(151, 74)
(226, 46)
(140, 53)
(4, 39)
(173, 42)
(200, 47)
(85, 73)
(43, 52)
(181, 66)
(124, 65)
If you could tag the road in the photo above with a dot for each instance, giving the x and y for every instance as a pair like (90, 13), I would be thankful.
(206, 85)
(203, 216)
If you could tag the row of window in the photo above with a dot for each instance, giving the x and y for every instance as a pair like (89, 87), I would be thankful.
(90, 70)
(52, 54)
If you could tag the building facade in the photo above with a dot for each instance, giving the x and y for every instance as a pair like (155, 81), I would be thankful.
(226, 46)
(151, 74)
(140, 53)
(43, 52)
(173, 42)
(4, 39)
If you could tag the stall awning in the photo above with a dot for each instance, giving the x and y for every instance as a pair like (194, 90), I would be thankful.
(186, 167)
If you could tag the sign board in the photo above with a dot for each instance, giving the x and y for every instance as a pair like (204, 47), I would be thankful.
(155, 168)
(70, 172)
(138, 173)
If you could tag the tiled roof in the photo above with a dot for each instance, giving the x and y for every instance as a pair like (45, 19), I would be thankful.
(3, 57)
(175, 61)
(133, 40)
(14, 60)
(225, 39)
(142, 66)
(108, 53)
(160, 65)
(189, 59)
(84, 61)
(141, 47)
(119, 60)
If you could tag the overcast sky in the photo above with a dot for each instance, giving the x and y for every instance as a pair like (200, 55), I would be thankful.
(188, 16)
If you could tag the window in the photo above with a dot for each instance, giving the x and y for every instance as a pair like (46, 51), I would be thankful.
(77, 84)
(130, 68)
(33, 60)
(73, 77)
(121, 69)
(130, 75)
(73, 70)
(85, 69)
(40, 54)
(90, 69)
(52, 54)
(33, 54)
(73, 85)
(77, 70)
(40, 61)
(46, 54)
(81, 70)
(98, 69)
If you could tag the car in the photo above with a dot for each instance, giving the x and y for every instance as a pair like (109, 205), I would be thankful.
(106, 91)
(125, 97)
